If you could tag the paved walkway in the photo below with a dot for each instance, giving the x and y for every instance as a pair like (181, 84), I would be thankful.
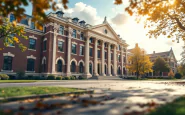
(110, 98)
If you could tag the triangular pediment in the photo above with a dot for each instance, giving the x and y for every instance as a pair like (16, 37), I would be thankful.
(105, 30)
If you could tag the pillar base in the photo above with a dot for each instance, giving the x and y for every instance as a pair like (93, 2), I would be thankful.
(87, 75)
(103, 74)
(96, 74)
(109, 74)
(68, 74)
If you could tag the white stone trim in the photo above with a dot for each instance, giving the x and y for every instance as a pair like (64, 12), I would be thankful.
(33, 37)
(82, 45)
(32, 49)
(44, 58)
(82, 62)
(60, 58)
(76, 63)
(74, 43)
(61, 40)
(8, 54)
(45, 39)
(31, 57)
(91, 46)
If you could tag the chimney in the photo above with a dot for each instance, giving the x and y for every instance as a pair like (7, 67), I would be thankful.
(153, 52)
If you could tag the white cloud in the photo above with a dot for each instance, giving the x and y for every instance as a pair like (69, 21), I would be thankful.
(119, 19)
(83, 12)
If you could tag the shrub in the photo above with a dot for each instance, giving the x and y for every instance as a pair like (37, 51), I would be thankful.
(66, 78)
(4, 76)
(12, 77)
(59, 78)
(81, 78)
(178, 76)
(36, 77)
(51, 77)
(20, 74)
(72, 77)
(30, 77)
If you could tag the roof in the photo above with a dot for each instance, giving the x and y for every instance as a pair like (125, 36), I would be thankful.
(162, 54)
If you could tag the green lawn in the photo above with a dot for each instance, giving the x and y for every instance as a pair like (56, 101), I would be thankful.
(175, 108)
(17, 81)
(23, 91)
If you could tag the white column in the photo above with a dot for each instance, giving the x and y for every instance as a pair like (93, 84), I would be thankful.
(54, 52)
(54, 47)
(115, 62)
(87, 74)
(122, 60)
(103, 59)
(95, 57)
(68, 73)
(109, 60)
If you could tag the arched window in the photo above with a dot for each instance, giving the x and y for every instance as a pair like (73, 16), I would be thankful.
(119, 71)
(59, 66)
(81, 67)
(90, 68)
(73, 67)
(44, 66)
(7, 65)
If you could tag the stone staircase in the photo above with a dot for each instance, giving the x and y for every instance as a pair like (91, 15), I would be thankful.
(106, 78)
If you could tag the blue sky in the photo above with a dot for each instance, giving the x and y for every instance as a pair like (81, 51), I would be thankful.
(94, 11)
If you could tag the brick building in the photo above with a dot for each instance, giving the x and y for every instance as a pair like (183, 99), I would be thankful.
(66, 46)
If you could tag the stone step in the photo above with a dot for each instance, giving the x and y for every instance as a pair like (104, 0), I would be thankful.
(106, 78)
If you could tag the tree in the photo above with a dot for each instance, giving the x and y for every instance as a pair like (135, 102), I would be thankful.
(8, 30)
(160, 65)
(140, 62)
(171, 74)
(181, 69)
(163, 17)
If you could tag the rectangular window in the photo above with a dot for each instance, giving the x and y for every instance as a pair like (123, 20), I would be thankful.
(81, 50)
(61, 30)
(105, 44)
(99, 54)
(74, 48)
(91, 52)
(119, 58)
(32, 25)
(44, 29)
(30, 65)
(99, 42)
(32, 43)
(105, 55)
(91, 40)
(44, 45)
(60, 46)
(7, 65)
(82, 36)
(74, 33)
(24, 21)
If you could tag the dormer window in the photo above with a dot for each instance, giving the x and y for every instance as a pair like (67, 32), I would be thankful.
(75, 20)
(59, 14)
(12, 17)
(82, 23)
(24, 21)
(32, 25)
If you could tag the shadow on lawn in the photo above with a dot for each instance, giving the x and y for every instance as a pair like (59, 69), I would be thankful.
(125, 102)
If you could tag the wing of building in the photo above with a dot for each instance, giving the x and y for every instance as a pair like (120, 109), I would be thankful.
(66, 46)
(168, 56)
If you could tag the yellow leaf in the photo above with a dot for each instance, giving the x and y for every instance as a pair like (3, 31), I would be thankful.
(14, 23)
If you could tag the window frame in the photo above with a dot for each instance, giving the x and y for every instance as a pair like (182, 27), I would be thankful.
(74, 35)
(73, 49)
(8, 65)
(61, 30)
(60, 46)
(30, 65)
(31, 46)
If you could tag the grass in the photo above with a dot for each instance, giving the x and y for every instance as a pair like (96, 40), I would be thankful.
(17, 81)
(24, 91)
(177, 107)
